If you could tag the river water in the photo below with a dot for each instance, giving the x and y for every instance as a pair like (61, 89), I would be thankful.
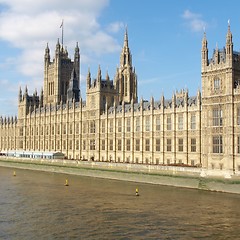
(37, 205)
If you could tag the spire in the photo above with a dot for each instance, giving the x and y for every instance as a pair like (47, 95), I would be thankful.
(77, 48)
(126, 57)
(76, 54)
(99, 76)
(204, 40)
(58, 46)
(47, 54)
(26, 90)
(204, 51)
(126, 38)
(20, 95)
(88, 78)
(229, 34)
(73, 89)
(107, 76)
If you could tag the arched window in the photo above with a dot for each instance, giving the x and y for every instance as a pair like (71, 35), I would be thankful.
(216, 84)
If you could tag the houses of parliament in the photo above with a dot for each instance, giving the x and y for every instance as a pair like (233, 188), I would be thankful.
(113, 125)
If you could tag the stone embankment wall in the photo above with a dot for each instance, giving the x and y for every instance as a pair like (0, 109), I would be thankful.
(187, 177)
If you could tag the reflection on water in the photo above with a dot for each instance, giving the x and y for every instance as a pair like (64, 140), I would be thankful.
(37, 205)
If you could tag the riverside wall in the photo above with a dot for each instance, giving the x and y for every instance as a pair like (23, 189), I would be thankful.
(187, 177)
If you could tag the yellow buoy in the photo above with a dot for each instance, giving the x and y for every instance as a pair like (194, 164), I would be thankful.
(137, 194)
(66, 182)
(14, 174)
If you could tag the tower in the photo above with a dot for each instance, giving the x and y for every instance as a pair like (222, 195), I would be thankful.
(220, 76)
(57, 74)
(73, 89)
(126, 78)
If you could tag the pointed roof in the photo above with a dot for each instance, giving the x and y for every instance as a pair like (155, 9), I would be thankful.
(229, 34)
(126, 38)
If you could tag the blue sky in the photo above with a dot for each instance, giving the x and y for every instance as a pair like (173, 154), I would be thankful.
(164, 38)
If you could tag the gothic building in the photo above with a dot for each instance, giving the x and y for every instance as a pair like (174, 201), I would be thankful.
(113, 125)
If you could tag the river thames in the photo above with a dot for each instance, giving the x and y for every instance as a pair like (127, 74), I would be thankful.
(37, 205)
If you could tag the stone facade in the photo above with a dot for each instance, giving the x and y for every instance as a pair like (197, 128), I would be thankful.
(112, 125)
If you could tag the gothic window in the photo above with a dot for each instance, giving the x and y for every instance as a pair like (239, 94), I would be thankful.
(169, 145)
(126, 87)
(119, 144)
(180, 122)
(77, 144)
(180, 144)
(110, 125)
(77, 128)
(147, 145)
(119, 122)
(193, 121)
(52, 130)
(21, 131)
(137, 144)
(64, 128)
(103, 126)
(93, 102)
(111, 145)
(92, 127)
(84, 144)
(128, 145)
(169, 122)
(216, 84)
(238, 116)
(158, 123)
(157, 144)
(103, 144)
(128, 125)
(217, 144)
(137, 126)
(147, 124)
(92, 144)
(238, 144)
(193, 145)
(217, 117)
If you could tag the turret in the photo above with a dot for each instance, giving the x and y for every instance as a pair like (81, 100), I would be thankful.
(126, 58)
(73, 89)
(107, 77)
(229, 46)
(77, 62)
(126, 78)
(77, 54)
(26, 91)
(216, 55)
(47, 55)
(88, 79)
(20, 95)
(204, 52)
(99, 76)
(58, 48)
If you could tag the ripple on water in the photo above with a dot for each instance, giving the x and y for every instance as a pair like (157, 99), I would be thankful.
(37, 205)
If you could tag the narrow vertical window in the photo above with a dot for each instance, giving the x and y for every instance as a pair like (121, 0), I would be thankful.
(169, 122)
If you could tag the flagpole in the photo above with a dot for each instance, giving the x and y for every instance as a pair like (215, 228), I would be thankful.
(62, 33)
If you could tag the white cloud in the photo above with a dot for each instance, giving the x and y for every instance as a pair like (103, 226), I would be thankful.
(194, 21)
(115, 27)
(29, 25)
